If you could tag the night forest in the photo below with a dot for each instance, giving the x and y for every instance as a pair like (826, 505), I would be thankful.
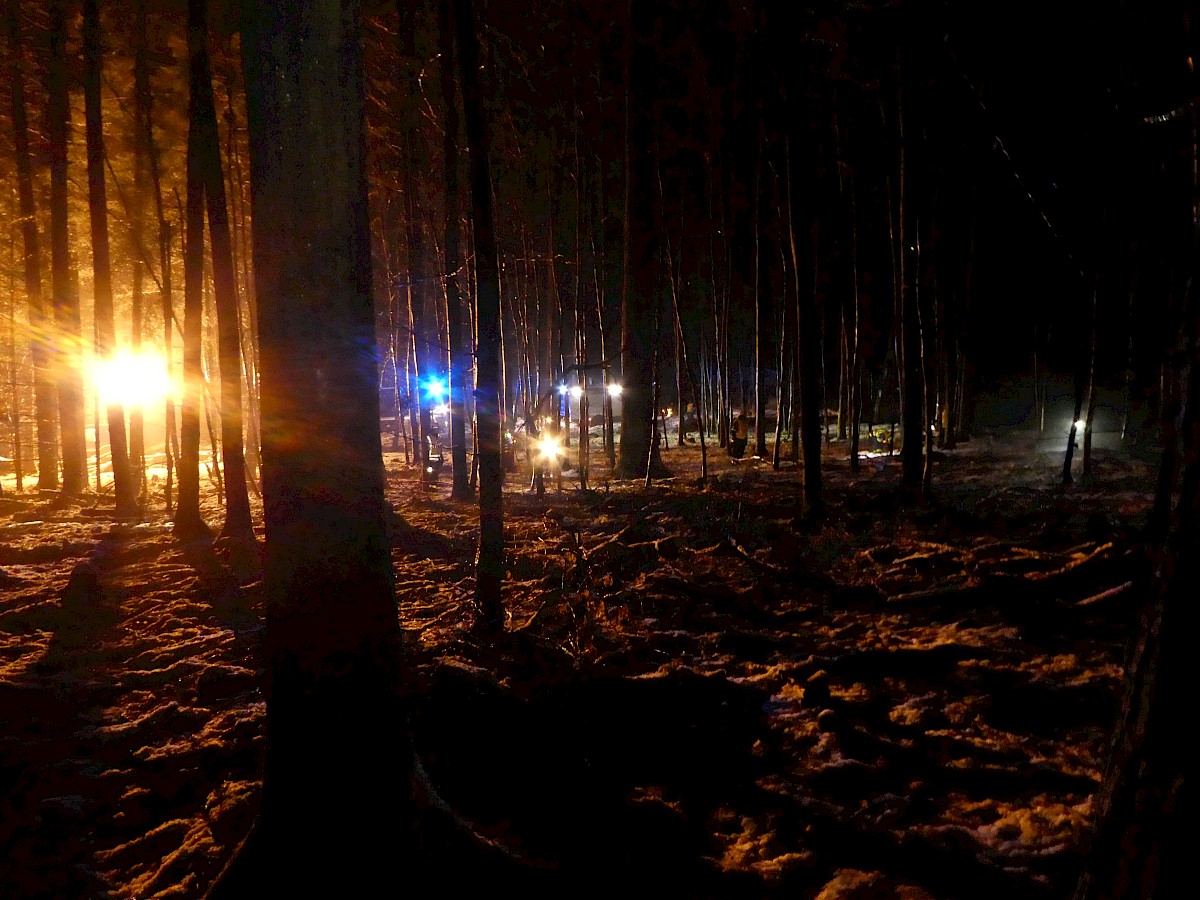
(674, 449)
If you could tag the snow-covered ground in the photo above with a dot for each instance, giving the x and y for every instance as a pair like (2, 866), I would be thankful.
(700, 692)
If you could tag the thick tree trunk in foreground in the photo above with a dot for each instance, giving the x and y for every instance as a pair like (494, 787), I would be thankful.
(640, 296)
(238, 526)
(126, 496)
(489, 565)
(336, 798)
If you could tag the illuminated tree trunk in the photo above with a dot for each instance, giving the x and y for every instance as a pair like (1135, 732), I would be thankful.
(337, 750)
(418, 253)
(580, 326)
(188, 522)
(143, 104)
(1083, 396)
(126, 496)
(639, 294)
(489, 565)
(137, 218)
(238, 526)
(238, 192)
(459, 361)
(598, 269)
(14, 386)
(66, 296)
(41, 340)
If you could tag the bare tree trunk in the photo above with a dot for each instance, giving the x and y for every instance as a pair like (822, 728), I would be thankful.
(143, 105)
(14, 392)
(126, 496)
(720, 368)
(610, 384)
(41, 344)
(248, 335)
(810, 349)
(855, 358)
(580, 327)
(761, 315)
(337, 743)
(457, 374)
(640, 298)
(238, 528)
(137, 213)
(188, 522)
(418, 252)
(1127, 385)
(1083, 389)
(912, 382)
(489, 566)
(1090, 398)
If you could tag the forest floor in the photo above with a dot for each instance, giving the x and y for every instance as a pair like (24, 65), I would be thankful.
(700, 693)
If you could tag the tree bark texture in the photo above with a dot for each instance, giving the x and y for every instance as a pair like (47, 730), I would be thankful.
(489, 564)
(126, 498)
(640, 295)
(41, 339)
(238, 525)
(459, 361)
(336, 738)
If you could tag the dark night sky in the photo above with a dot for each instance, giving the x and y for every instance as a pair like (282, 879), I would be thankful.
(1071, 90)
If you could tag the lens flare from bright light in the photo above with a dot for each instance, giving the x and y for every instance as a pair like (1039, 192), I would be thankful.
(549, 448)
(1080, 425)
(577, 391)
(562, 390)
(614, 390)
(132, 379)
(436, 389)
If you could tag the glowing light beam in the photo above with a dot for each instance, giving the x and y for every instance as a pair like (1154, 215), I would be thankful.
(549, 448)
(131, 379)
